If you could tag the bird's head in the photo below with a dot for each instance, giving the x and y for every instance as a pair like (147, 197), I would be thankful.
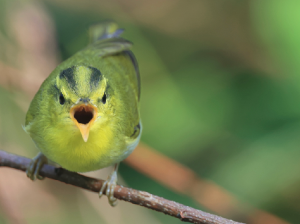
(82, 96)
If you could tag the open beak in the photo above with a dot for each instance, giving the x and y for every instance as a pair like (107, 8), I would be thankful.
(84, 116)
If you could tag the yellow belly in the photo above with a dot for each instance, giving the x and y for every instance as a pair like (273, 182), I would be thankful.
(68, 149)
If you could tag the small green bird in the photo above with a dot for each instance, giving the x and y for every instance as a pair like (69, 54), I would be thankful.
(85, 115)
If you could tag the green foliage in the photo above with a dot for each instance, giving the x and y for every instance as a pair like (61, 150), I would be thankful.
(231, 122)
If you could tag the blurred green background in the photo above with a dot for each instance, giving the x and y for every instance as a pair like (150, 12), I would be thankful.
(220, 95)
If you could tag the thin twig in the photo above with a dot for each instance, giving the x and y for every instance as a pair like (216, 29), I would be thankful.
(142, 198)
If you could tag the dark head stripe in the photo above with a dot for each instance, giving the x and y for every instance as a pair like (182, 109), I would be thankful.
(68, 74)
(95, 77)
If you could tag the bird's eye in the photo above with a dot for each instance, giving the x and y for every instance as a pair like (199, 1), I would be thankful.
(61, 99)
(104, 98)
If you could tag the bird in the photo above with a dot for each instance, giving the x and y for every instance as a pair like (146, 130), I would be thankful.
(85, 116)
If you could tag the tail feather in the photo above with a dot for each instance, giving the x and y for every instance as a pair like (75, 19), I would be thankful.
(104, 30)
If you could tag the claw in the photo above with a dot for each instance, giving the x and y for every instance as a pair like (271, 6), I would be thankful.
(110, 185)
(34, 167)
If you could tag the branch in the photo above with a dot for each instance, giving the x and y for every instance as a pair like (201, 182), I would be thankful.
(142, 198)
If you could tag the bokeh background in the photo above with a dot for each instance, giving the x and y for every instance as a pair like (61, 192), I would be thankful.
(220, 107)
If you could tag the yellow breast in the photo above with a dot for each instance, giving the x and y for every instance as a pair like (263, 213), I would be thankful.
(64, 145)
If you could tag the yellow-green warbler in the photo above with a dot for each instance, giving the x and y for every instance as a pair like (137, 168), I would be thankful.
(85, 115)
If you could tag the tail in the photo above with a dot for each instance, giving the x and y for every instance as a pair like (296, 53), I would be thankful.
(104, 30)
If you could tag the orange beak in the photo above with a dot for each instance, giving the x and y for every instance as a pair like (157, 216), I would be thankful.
(84, 116)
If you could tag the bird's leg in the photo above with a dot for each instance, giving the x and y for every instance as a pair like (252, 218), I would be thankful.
(35, 165)
(110, 185)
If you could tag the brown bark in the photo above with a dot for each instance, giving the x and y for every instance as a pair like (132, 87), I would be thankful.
(142, 198)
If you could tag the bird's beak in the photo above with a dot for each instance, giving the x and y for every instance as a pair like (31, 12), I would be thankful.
(84, 116)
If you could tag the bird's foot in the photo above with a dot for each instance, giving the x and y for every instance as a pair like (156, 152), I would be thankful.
(109, 187)
(34, 167)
